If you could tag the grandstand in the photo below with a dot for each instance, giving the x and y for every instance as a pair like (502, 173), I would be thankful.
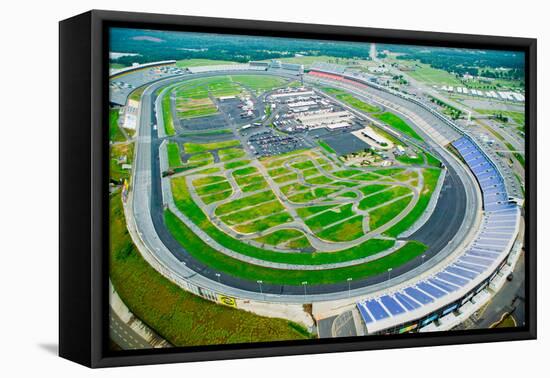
(446, 293)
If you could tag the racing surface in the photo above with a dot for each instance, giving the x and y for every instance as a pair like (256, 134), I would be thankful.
(437, 232)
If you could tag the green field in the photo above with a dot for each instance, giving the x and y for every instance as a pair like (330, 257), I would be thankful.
(382, 215)
(352, 101)
(167, 116)
(280, 236)
(174, 158)
(259, 83)
(187, 206)
(230, 266)
(429, 75)
(115, 168)
(193, 148)
(231, 154)
(318, 222)
(180, 317)
(397, 123)
(236, 164)
(115, 134)
(349, 230)
(383, 197)
(431, 177)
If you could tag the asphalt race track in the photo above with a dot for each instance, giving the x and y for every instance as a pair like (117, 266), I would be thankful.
(437, 232)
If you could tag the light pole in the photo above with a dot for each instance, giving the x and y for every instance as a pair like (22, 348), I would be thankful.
(304, 284)
(260, 282)
(389, 274)
(349, 287)
(218, 275)
(423, 257)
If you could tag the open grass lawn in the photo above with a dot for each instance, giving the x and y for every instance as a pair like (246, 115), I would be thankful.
(230, 266)
(304, 165)
(205, 190)
(169, 128)
(249, 180)
(259, 83)
(367, 177)
(231, 154)
(429, 75)
(397, 123)
(286, 178)
(305, 212)
(383, 197)
(278, 171)
(431, 177)
(202, 156)
(516, 117)
(244, 171)
(310, 172)
(190, 240)
(300, 243)
(251, 200)
(174, 158)
(208, 171)
(351, 100)
(432, 160)
(370, 189)
(178, 316)
(208, 180)
(115, 134)
(406, 159)
(252, 213)
(318, 222)
(216, 197)
(319, 180)
(278, 160)
(236, 164)
(192, 108)
(293, 188)
(346, 173)
(311, 195)
(405, 176)
(382, 215)
(217, 86)
(193, 148)
(264, 223)
(115, 168)
(349, 230)
(279, 236)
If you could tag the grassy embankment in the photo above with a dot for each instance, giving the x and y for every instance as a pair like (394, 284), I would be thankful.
(178, 316)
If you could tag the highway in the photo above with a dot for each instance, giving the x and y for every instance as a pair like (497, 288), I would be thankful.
(145, 212)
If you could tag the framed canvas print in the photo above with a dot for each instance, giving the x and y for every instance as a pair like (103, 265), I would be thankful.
(234, 188)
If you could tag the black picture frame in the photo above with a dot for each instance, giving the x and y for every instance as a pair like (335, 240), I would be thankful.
(83, 182)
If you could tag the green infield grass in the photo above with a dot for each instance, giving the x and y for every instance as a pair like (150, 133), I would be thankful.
(174, 158)
(382, 215)
(348, 230)
(193, 148)
(431, 176)
(398, 124)
(236, 164)
(233, 267)
(383, 197)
